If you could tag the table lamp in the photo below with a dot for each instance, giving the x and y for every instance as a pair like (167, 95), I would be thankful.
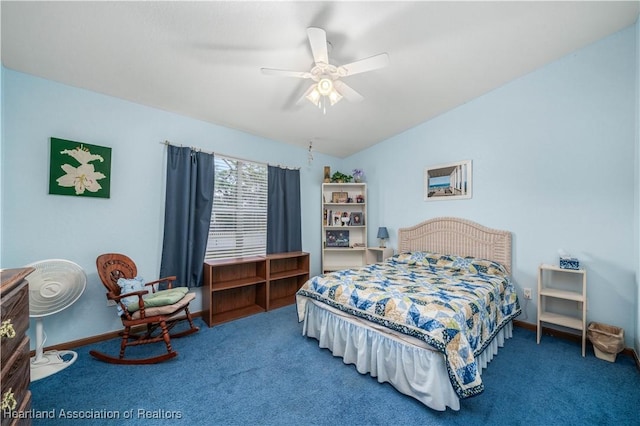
(383, 234)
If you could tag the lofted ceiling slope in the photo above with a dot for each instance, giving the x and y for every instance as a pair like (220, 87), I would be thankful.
(203, 59)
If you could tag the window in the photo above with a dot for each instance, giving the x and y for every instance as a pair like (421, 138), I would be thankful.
(239, 217)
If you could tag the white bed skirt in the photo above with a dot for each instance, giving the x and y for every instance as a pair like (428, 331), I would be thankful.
(408, 364)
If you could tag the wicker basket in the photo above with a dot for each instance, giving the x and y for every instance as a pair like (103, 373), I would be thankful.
(607, 340)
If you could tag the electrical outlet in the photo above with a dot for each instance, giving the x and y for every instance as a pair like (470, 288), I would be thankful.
(527, 293)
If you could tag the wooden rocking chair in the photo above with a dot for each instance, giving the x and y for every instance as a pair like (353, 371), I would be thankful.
(151, 319)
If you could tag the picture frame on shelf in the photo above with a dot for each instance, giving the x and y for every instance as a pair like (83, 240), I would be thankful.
(335, 219)
(339, 197)
(357, 219)
(449, 181)
(345, 219)
(337, 238)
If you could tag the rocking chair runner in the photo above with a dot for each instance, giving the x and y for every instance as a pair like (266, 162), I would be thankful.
(156, 321)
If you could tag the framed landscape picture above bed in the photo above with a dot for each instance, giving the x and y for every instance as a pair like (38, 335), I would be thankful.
(449, 181)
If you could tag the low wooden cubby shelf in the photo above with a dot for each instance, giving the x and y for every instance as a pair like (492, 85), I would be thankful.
(235, 288)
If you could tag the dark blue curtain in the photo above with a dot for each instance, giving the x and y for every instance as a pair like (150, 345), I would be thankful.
(189, 197)
(284, 222)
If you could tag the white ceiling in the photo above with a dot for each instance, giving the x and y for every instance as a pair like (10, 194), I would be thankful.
(203, 59)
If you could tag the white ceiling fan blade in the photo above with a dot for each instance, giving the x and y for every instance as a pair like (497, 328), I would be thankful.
(286, 73)
(346, 91)
(369, 64)
(318, 42)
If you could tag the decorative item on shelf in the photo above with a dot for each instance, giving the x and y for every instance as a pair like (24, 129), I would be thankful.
(358, 175)
(337, 239)
(338, 177)
(327, 174)
(339, 197)
(356, 219)
(383, 234)
(335, 221)
(568, 262)
(345, 219)
(359, 199)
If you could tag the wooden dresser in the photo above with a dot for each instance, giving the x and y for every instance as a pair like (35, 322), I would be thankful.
(14, 350)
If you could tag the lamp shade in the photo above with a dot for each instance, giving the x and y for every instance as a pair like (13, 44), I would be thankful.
(382, 232)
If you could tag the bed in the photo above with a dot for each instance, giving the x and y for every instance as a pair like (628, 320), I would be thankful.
(427, 320)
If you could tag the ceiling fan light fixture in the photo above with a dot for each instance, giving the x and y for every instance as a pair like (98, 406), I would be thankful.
(314, 96)
(334, 97)
(326, 76)
(324, 89)
(325, 86)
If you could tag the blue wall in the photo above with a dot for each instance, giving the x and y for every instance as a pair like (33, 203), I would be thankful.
(553, 162)
(554, 157)
(37, 226)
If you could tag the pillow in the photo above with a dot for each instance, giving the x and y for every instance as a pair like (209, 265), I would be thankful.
(462, 263)
(466, 264)
(129, 286)
(159, 298)
(486, 267)
(432, 259)
(417, 258)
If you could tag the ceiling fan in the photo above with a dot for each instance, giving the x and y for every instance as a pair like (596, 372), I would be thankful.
(327, 84)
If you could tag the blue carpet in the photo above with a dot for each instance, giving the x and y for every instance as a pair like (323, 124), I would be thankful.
(260, 370)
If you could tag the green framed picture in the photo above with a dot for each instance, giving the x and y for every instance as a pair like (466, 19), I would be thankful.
(79, 169)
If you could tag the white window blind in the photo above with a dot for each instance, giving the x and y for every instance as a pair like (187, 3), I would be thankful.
(239, 217)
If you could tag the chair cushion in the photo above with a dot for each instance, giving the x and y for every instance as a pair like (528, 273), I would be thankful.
(129, 285)
(167, 310)
(159, 298)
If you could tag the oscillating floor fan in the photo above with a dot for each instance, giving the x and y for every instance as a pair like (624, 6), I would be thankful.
(54, 285)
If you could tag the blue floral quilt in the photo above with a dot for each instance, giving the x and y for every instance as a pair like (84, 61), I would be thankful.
(455, 304)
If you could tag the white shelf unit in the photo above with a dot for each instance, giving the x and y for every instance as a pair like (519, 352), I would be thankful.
(571, 287)
(344, 200)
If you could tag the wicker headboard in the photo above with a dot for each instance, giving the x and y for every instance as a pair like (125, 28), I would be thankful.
(450, 235)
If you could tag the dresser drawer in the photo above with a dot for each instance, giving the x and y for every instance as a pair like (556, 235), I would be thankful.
(24, 408)
(22, 416)
(14, 309)
(16, 376)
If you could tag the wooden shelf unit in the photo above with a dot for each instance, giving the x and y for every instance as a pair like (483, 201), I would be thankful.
(236, 288)
(574, 290)
(287, 272)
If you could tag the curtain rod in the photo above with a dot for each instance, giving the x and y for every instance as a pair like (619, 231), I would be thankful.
(167, 143)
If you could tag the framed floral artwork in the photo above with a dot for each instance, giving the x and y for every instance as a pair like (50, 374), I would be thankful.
(79, 169)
